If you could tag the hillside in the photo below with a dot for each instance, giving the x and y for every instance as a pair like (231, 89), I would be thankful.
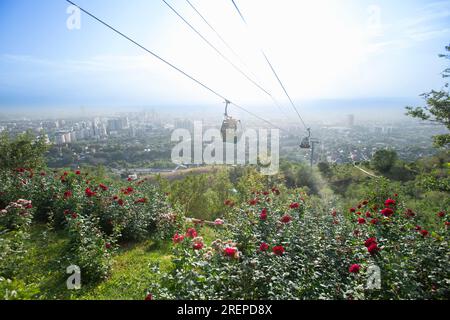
(320, 234)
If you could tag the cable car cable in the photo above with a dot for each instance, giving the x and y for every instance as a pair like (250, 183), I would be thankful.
(217, 50)
(171, 65)
(233, 51)
(272, 68)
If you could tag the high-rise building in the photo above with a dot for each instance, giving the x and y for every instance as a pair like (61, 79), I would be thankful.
(350, 120)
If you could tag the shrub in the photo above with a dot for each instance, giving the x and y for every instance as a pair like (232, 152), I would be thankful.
(292, 249)
(89, 248)
(15, 221)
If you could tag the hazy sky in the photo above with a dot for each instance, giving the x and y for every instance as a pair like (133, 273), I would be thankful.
(322, 49)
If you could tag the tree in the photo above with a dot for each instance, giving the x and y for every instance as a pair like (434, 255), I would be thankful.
(437, 109)
(324, 169)
(23, 151)
(384, 160)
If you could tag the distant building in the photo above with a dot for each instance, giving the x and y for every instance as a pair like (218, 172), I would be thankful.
(118, 124)
(350, 120)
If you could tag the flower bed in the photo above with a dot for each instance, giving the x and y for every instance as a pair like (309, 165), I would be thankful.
(270, 248)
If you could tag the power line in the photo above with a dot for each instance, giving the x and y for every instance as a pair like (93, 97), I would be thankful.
(170, 64)
(272, 68)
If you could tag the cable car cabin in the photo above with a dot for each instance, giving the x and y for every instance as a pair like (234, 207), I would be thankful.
(229, 130)
(306, 142)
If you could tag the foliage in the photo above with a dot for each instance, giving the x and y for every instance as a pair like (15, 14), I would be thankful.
(89, 248)
(384, 160)
(23, 151)
(437, 108)
(273, 249)
(15, 221)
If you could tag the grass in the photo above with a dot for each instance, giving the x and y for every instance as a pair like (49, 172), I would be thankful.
(44, 268)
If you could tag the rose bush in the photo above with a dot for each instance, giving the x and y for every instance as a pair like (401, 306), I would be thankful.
(15, 221)
(290, 248)
(96, 214)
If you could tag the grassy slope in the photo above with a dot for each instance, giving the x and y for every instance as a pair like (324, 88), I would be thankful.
(130, 277)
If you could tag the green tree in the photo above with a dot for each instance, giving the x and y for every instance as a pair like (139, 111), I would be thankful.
(324, 169)
(23, 151)
(384, 160)
(437, 108)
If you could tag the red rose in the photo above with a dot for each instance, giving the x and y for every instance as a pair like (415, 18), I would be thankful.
(89, 193)
(276, 191)
(67, 194)
(74, 215)
(334, 213)
(374, 221)
(365, 202)
(191, 233)
(149, 297)
(294, 205)
(120, 202)
(108, 246)
(43, 174)
(263, 215)
(368, 214)
(286, 219)
(230, 252)
(198, 246)
(177, 238)
(373, 248)
(103, 187)
(441, 214)
(352, 210)
(387, 212)
(418, 228)
(142, 200)
(424, 233)
(358, 213)
(389, 202)
(370, 241)
(264, 247)
(253, 202)
(278, 250)
(354, 268)
(78, 172)
(361, 221)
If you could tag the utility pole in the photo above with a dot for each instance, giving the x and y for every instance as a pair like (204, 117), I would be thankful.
(313, 147)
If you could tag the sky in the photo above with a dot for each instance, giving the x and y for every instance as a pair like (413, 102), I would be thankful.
(323, 50)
